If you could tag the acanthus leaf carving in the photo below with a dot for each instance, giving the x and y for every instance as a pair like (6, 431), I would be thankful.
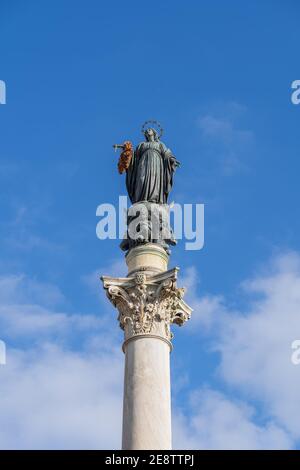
(148, 304)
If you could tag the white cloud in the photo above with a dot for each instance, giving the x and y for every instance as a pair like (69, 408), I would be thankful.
(219, 423)
(62, 384)
(222, 129)
(20, 289)
(27, 309)
(206, 307)
(256, 348)
(255, 342)
(59, 399)
(22, 235)
(92, 280)
(228, 142)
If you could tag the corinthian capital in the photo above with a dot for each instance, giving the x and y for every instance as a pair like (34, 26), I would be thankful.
(148, 304)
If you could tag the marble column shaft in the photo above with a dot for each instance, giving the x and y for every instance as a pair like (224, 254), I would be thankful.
(148, 301)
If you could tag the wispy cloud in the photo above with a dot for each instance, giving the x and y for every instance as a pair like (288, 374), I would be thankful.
(22, 231)
(218, 422)
(16, 289)
(60, 399)
(255, 343)
(224, 136)
(62, 384)
(92, 280)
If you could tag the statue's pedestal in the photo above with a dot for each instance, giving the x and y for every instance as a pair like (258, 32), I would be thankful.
(148, 301)
(149, 258)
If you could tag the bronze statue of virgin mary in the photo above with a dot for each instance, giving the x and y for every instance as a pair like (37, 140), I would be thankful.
(149, 176)
(150, 173)
(149, 169)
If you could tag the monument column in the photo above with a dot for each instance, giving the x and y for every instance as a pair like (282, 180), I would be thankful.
(148, 301)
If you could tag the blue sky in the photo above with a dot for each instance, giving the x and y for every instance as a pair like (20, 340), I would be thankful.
(81, 76)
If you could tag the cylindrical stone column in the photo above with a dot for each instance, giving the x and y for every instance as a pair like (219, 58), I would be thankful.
(148, 302)
(147, 394)
(147, 400)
